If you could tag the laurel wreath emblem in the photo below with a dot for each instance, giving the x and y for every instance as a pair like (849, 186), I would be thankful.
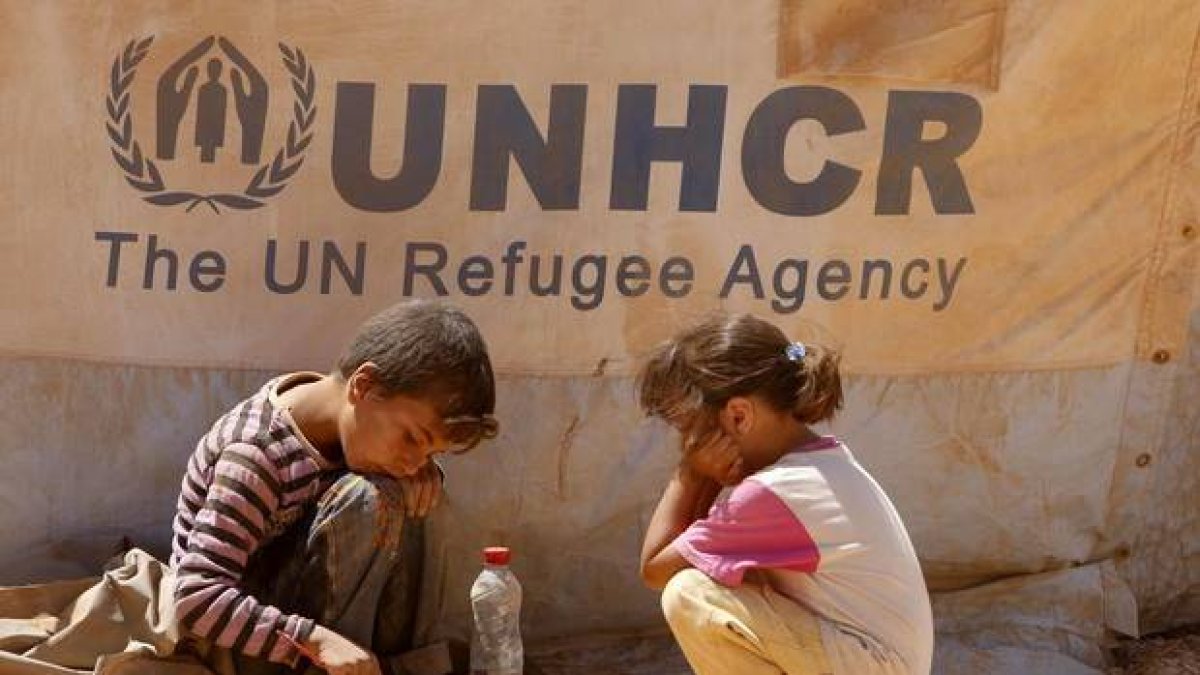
(268, 180)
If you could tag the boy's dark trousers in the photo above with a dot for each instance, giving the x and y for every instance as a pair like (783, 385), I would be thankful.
(352, 564)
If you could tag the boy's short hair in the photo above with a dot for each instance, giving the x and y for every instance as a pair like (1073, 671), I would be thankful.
(429, 349)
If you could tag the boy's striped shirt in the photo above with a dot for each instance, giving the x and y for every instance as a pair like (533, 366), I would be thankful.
(249, 478)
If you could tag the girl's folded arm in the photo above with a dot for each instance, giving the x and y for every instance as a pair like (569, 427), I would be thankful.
(687, 498)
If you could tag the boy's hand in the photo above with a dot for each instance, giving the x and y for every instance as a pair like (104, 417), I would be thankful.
(339, 656)
(422, 491)
(714, 457)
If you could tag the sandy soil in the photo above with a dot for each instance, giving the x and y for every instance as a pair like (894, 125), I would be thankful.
(1174, 653)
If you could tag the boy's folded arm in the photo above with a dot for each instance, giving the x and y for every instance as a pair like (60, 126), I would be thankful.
(228, 528)
(423, 491)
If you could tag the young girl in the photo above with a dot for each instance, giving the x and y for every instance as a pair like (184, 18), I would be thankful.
(805, 567)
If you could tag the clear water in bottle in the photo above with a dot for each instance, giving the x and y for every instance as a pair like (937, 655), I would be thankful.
(496, 603)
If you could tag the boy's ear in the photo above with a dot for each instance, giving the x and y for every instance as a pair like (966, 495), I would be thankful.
(361, 382)
(738, 415)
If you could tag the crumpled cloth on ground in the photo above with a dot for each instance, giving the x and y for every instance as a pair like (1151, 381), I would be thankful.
(120, 624)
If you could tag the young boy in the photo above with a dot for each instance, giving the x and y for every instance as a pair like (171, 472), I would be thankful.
(294, 533)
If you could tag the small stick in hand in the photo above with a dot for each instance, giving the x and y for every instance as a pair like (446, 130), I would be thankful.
(304, 651)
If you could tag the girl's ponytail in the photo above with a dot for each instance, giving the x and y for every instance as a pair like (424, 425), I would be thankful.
(818, 381)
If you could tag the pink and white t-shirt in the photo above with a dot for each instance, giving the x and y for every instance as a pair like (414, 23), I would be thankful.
(822, 532)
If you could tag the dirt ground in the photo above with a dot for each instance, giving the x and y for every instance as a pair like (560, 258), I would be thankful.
(648, 653)
(1173, 653)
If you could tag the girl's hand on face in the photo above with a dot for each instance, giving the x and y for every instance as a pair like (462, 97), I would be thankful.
(422, 491)
(715, 457)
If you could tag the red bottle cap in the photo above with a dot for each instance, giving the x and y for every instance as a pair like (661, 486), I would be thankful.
(497, 555)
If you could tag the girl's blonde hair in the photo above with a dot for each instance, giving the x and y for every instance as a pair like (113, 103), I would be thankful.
(687, 379)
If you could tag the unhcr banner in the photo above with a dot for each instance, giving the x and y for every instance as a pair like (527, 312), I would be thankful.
(946, 186)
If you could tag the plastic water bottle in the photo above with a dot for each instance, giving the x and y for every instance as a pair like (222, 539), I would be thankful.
(496, 603)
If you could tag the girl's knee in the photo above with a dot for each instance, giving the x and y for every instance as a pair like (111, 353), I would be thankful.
(683, 594)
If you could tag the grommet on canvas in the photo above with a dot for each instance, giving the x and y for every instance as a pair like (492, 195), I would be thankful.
(1160, 356)
(1143, 460)
(1188, 231)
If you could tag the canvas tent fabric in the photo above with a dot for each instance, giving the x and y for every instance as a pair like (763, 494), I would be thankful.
(991, 205)
(977, 223)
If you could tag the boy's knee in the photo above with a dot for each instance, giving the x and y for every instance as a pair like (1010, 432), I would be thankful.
(360, 491)
(370, 506)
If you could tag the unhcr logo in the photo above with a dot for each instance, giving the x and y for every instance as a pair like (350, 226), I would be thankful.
(209, 79)
(196, 92)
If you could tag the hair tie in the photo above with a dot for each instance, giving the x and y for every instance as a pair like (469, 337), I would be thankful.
(795, 351)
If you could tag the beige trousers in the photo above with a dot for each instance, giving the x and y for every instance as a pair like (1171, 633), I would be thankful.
(749, 630)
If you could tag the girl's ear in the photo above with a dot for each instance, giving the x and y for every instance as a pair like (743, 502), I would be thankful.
(738, 415)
